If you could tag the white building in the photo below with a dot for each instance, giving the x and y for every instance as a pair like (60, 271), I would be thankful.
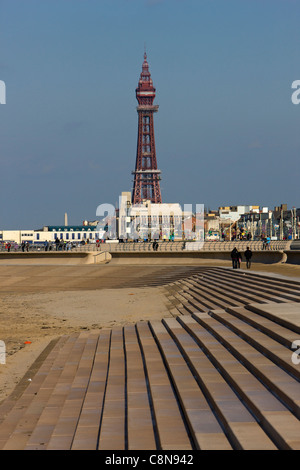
(153, 221)
(234, 213)
(75, 233)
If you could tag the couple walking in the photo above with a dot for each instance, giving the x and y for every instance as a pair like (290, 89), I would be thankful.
(237, 258)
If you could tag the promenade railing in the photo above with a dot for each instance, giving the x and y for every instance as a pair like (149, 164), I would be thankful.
(178, 246)
(162, 246)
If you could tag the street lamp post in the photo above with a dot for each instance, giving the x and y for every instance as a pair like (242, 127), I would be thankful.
(294, 225)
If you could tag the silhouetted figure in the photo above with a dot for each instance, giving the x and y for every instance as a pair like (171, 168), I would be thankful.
(56, 243)
(248, 256)
(234, 256)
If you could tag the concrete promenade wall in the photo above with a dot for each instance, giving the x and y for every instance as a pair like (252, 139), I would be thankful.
(293, 256)
(192, 257)
(142, 247)
(54, 257)
(148, 257)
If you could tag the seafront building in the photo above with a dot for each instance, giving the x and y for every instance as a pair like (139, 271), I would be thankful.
(72, 233)
(252, 222)
(169, 222)
(151, 221)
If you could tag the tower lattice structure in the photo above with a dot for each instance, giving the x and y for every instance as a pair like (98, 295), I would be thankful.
(146, 175)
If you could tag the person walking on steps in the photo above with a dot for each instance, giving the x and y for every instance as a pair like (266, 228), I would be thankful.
(248, 256)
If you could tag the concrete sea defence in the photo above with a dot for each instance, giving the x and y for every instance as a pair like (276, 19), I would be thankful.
(293, 256)
(147, 257)
(192, 257)
(167, 253)
(55, 257)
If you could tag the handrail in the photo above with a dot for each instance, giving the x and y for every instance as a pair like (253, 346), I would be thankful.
(163, 246)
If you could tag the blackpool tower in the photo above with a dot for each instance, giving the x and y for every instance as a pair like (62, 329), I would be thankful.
(146, 175)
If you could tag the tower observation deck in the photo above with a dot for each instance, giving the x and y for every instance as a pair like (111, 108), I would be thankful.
(146, 175)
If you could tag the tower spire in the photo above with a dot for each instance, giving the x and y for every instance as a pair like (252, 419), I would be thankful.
(146, 175)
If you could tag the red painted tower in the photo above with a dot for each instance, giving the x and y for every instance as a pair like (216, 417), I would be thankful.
(146, 175)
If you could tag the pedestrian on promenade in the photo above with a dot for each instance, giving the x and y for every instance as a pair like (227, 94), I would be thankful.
(248, 256)
(46, 245)
(56, 243)
(234, 256)
(23, 246)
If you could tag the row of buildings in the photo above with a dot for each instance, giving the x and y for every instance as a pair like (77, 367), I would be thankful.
(253, 222)
(148, 221)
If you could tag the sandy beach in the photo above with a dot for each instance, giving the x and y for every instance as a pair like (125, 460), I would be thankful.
(39, 304)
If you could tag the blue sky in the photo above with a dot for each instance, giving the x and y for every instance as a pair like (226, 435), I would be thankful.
(226, 132)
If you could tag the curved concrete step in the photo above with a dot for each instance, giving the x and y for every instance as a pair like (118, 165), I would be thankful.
(286, 315)
(289, 292)
(279, 333)
(218, 299)
(205, 428)
(246, 288)
(241, 428)
(276, 420)
(21, 422)
(275, 378)
(229, 289)
(262, 342)
(270, 279)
